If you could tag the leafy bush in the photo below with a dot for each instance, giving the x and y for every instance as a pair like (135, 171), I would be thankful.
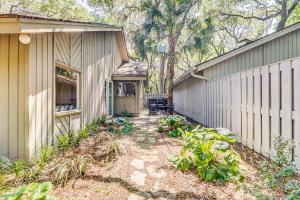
(33, 191)
(280, 174)
(124, 125)
(124, 114)
(209, 151)
(173, 122)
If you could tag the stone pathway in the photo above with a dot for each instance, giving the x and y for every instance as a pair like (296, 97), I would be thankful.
(144, 166)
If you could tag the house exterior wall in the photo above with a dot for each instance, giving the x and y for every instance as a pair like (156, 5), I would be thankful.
(100, 59)
(282, 48)
(28, 120)
(13, 87)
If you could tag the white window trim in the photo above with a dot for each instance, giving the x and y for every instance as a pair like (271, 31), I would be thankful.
(107, 99)
(79, 91)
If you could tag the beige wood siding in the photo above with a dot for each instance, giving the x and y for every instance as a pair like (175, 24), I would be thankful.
(282, 48)
(100, 58)
(40, 92)
(68, 50)
(13, 87)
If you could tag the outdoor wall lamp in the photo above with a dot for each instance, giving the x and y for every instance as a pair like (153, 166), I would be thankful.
(24, 38)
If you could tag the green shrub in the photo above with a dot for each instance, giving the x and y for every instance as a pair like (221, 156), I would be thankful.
(33, 191)
(173, 122)
(102, 120)
(210, 152)
(281, 173)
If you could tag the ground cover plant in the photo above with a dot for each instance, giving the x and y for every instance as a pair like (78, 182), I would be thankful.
(280, 175)
(209, 151)
(171, 123)
(75, 153)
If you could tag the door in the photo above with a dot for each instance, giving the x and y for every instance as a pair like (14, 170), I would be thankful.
(126, 97)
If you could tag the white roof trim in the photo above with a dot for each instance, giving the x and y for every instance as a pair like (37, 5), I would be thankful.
(24, 25)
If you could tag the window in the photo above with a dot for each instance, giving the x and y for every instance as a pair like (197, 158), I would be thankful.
(67, 89)
(109, 97)
(125, 89)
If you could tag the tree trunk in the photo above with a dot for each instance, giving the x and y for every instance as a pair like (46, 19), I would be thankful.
(162, 74)
(283, 16)
(170, 66)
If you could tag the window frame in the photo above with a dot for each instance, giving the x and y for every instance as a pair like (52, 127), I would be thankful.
(135, 89)
(106, 97)
(78, 90)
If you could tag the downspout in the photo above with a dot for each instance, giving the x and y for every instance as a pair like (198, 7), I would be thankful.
(197, 76)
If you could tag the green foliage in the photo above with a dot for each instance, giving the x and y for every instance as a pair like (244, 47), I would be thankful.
(281, 173)
(173, 122)
(124, 124)
(124, 114)
(46, 154)
(102, 120)
(33, 191)
(209, 151)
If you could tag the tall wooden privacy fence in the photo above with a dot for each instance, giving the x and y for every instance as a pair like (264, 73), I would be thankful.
(258, 104)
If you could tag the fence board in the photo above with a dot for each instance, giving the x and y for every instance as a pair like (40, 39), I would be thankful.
(244, 107)
(265, 148)
(250, 109)
(257, 111)
(286, 102)
(296, 66)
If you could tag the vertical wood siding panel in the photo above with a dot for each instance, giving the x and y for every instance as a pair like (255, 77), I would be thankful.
(286, 96)
(39, 86)
(257, 109)
(50, 71)
(4, 72)
(32, 95)
(275, 103)
(224, 102)
(13, 97)
(266, 133)
(228, 96)
(21, 102)
(44, 101)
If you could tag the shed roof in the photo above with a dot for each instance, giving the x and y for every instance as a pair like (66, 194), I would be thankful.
(234, 52)
(133, 70)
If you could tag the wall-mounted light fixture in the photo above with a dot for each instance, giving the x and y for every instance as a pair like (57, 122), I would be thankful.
(24, 38)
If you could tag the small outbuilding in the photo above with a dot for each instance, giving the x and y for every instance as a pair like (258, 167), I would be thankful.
(129, 88)
(57, 76)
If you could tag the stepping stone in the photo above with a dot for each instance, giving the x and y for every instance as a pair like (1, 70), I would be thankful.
(140, 139)
(137, 163)
(152, 140)
(136, 197)
(156, 173)
(149, 158)
(138, 178)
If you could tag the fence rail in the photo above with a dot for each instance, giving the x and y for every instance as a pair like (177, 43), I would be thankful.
(258, 104)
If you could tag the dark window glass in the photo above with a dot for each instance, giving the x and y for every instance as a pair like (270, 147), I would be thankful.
(66, 89)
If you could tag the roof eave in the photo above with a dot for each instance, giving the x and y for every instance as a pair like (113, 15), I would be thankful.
(25, 25)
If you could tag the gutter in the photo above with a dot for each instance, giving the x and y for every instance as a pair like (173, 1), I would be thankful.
(197, 76)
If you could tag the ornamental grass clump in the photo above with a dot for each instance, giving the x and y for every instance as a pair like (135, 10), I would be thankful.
(209, 151)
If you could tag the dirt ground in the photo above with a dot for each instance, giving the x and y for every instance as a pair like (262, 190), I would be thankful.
(144, 172)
